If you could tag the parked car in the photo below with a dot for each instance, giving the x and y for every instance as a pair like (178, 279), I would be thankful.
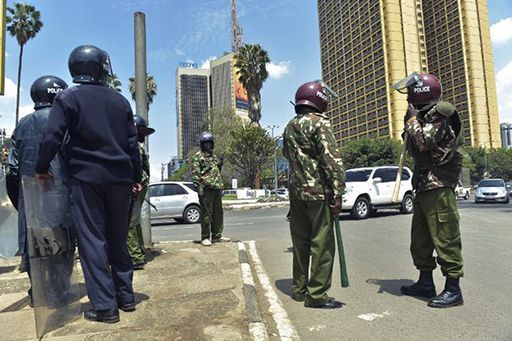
(509, 188)
(282, 193)
(174, 200)
(461, 191)
(492, 190)
(371, 188)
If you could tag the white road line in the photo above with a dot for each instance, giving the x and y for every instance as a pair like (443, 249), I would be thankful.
(284, 325)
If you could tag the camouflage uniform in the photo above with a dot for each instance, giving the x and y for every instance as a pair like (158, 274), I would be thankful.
(316, 176)
(435, 135)
(135, 240)
(206, 176)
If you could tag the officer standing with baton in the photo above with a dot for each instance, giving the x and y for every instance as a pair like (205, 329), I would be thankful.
(316, 186)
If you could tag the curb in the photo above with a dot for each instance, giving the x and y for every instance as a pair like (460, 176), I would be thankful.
(243, 207)
(257, 327)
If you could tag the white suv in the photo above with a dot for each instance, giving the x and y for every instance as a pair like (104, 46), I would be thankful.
(174, 200)
(371, 188)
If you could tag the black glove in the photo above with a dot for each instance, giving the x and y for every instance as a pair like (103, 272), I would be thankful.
(411, 112)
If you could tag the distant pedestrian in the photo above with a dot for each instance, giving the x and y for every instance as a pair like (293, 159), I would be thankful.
(434, 132)
(316, 186)
(135, 240)
(103, 164)
(206, 176)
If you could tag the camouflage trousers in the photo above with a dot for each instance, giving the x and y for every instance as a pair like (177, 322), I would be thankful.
(135, 240)
(212, 214)
(313, 249)
(435, 226)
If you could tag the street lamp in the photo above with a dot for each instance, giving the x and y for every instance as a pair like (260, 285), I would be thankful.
(275, 158)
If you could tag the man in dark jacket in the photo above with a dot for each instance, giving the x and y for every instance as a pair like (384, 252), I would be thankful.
(103, 164)
(24, 151)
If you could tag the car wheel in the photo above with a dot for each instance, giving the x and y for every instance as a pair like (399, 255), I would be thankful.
(407, 204)
(466, 196)
(192, 214)
(361, 209)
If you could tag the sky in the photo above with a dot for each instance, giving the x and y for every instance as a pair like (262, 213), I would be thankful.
(197, 31)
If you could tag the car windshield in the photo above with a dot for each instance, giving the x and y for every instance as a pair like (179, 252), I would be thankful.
(358, 176)
(491, 183)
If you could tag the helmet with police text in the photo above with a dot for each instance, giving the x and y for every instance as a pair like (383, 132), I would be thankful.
(89, 64)
(313, 94)
(44, 89)
(206, 136)
(422, 89)
(142, 125)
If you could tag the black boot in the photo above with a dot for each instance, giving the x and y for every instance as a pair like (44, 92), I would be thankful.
(424, 287)
(450, 297)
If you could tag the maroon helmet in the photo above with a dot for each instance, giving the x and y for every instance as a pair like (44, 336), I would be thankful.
(314, 94)
(422, 89)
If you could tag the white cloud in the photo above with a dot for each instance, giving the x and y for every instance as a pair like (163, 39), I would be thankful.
(26, 109)
(179, 52)
(205, 64)
(8, 106)
(278, 70)
(155, 171)
(504, 86)
(501, 32)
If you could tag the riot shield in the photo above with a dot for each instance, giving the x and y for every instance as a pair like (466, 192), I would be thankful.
(51, 247)
(8, 222)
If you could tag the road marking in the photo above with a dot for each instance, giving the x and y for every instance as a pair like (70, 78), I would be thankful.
(238, 224)
(284, 325)
(373, 316)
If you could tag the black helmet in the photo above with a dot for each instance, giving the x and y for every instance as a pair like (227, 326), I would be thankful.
(141, 124)
(89, 64)
(206, 136)
(44, 89)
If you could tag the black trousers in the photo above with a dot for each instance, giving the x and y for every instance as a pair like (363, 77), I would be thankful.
(101, 217)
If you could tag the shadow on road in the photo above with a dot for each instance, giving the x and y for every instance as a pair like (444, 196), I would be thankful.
(392, 286)
(285, 286)
(378, 214)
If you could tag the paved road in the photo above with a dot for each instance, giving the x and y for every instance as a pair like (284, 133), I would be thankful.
(379, 262)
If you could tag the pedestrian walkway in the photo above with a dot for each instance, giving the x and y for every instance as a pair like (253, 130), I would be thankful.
(186, 292)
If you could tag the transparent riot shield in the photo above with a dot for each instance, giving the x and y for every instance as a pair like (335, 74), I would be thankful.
(51, 249)
(8, 222)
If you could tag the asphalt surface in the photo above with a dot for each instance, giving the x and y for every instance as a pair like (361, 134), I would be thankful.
(379, 262)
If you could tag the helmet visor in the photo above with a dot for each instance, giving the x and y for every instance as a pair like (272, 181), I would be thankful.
(326, 87)
(406, 82)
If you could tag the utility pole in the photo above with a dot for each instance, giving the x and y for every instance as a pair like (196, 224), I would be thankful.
(141, 103)
(275, 157)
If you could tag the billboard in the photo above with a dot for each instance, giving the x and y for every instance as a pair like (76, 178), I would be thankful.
(241, 98)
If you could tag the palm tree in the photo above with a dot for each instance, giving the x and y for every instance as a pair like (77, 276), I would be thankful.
(252, 72)
(113, 82)
(23, 22)
(150, 90)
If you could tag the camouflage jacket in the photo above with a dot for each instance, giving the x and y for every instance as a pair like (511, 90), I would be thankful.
(206, 172)
(434, 138)
(316, 170)
(144, 157)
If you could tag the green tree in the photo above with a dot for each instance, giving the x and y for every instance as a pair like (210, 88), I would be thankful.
(23, 22)
(151, 88)
(474, 160)
(113, 82)
(250, 150)
(180, 174)
(372, 152)
(500, 163)
(252, 72)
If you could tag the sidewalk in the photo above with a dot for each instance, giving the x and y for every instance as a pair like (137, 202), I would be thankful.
(186, 292)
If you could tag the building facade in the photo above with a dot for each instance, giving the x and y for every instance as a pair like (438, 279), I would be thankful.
(192, 105)
(226, 90)
(506, 135)
(367, 45)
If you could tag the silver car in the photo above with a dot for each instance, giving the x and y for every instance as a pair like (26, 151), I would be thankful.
(174, 200)
(491, 190)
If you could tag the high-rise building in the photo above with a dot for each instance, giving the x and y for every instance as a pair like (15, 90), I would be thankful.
(367, 45)
(192, 104)
(506, 135)
(226, 90)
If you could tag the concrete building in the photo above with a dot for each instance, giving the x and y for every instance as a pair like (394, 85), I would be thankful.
(192, 105)
(506, 135)
(226, 90)
(367, 45)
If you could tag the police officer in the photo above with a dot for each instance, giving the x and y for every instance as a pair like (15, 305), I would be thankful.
(135, 240)
(24, 151)
(316, 185)
(103, 164)
(206, 169)
(434, 132)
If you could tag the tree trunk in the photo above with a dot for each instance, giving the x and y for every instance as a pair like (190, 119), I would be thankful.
(257, 182)
(18, 87)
